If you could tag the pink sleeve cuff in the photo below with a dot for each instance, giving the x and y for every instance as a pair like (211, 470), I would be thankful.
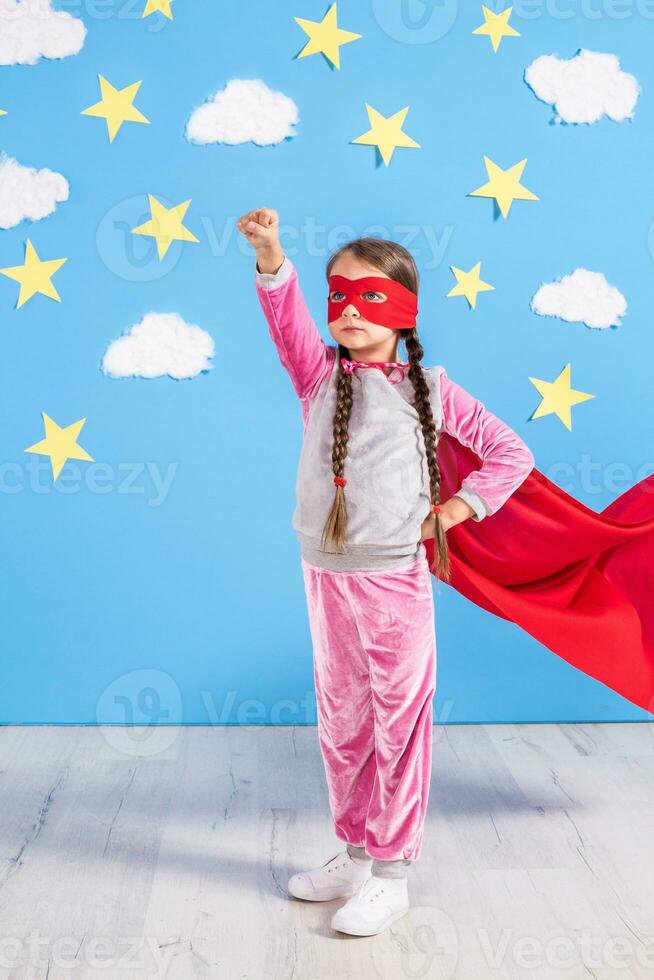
(302, 351)
(269, 280)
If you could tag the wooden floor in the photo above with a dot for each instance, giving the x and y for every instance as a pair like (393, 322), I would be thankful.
(131, 854)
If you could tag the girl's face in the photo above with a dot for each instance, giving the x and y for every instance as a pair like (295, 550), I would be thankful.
(351, 329)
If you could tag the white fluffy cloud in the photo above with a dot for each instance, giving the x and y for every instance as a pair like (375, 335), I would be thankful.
(28, 193)
(162, 343)
(584, 88)
(31, 29)
(582, 297)
(244, 111)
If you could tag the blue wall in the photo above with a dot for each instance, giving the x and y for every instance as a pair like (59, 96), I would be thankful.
(187, 605)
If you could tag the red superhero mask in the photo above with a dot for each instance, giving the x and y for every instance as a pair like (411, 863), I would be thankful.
(398, 311)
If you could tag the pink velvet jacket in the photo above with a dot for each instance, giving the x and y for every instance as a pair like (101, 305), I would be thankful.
(310, 362)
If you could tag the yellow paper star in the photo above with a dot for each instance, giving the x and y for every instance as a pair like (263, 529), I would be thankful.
(165, 225)
(163, 6)
(469, 284)
(116, 106)
(325, 37)
(558, 397)
(60, 444)
(34, 275)
(496, 26)
(504, 185)
(386, 134)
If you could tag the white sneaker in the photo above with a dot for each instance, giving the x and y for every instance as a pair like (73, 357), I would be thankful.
(376, 904)
(337, 878)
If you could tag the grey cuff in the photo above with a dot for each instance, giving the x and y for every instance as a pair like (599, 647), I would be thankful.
(477, 503)
(269, 280)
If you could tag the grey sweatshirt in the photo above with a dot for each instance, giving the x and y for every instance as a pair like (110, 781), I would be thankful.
(387, 496)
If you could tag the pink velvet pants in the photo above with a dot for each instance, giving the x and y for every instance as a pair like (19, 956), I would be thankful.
(374, 655)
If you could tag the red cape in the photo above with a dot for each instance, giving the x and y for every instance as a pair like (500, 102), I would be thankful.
(581, 583)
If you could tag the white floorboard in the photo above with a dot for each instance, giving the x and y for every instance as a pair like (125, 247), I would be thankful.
(133, 854)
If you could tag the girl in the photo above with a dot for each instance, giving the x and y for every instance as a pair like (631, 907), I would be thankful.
(368, 495)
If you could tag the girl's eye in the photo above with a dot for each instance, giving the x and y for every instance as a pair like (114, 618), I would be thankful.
(337, 296)
(373, 297)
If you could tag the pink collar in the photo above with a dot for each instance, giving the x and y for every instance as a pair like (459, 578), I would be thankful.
(349, 366)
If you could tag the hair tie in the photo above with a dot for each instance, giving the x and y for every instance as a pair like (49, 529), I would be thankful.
(340, 481)
(436, 508)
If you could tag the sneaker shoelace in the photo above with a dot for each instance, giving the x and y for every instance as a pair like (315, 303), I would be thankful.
(366, 886)
(336, 866)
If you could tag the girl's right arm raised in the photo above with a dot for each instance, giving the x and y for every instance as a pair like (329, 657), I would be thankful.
(301, 349)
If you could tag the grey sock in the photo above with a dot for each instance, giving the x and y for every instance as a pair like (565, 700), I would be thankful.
(390, 869)
(358, 854)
